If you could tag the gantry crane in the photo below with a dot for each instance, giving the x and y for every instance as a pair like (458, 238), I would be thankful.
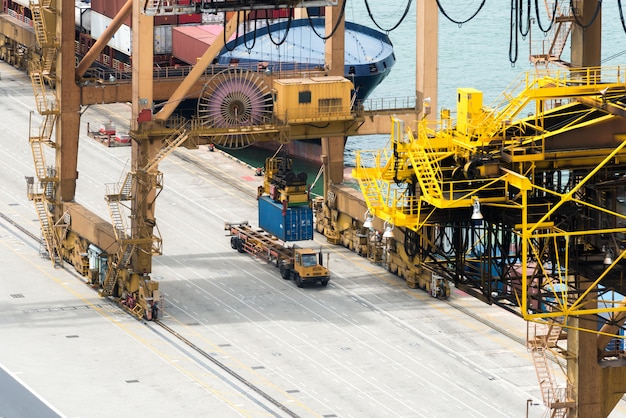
(60, 90)
(524, 212)
(537, 249)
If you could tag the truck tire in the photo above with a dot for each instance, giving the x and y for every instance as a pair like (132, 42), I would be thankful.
(233, 242)
(324, 282)
(298, 280)
(285, 272)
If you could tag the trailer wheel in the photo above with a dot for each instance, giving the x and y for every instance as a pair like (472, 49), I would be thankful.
(298, 280)
(240, 245)
(285, 272)
(233, 242)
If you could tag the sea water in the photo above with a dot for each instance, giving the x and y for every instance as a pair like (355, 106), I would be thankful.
(475, 54)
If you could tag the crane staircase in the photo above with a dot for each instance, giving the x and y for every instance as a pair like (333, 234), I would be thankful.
(42, 72)
(128, 241)
(43, 194)
(177, 137)
(511, 102)
(428, 175)
(543, 339)
(115, 199)
(548, 49)
(380, 178)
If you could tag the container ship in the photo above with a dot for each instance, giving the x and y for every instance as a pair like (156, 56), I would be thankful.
(269, 40)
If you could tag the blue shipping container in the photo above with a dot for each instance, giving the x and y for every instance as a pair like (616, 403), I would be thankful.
(295, 225)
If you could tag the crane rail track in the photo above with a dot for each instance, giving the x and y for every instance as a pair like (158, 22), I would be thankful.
(282, 407)
(227, 369)
(21, 228)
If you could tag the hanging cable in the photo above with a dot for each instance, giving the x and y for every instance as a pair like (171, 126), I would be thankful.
(513, 40)
(621, 14)
(593, 19)
(406, 11)
(245, 41)
(523, 32)
(269, 32)
(460, 22)
(332, 32)
(552, 20)
(236, 34)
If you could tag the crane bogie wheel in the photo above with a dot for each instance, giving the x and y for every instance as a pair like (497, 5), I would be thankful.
(235, 98)
(411, 242)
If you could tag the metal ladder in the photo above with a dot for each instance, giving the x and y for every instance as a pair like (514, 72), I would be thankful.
(47, 107)
(428, 174)
(48, 57)
(371, 192)
(556, 39)
(172, 141)
(49, 236)
(124, 257)
(114, 199)
(539, 345)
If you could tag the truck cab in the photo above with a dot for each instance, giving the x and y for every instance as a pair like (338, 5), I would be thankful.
(307, 267)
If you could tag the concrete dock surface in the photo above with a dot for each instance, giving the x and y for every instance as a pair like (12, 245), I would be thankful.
(252, 343)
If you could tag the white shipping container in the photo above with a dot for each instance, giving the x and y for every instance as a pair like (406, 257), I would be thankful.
(162, 39)
(82, 16)
(121, 41)
(25, 3)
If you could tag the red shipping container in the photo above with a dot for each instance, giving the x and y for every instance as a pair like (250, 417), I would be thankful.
(190, 42)
(109, 8)
(280, 13)
(165, 20)
(190, 18)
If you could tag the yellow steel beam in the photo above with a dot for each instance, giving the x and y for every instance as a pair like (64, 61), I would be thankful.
(574, 90)
(568, 196)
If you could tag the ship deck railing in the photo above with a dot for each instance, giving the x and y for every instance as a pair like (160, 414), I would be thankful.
(293, 70)
(388, 103)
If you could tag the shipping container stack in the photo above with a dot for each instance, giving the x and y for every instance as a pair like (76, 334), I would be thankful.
(178, 39)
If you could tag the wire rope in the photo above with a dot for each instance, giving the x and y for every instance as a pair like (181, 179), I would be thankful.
(460, 22)
(523, 32)
(619, 54)
(236, 34)
(621, 14)
(552, 20)
(513, 26)
(332, 32)
(394, 27)
(269, 32)
(245, 41)
(593, 18)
